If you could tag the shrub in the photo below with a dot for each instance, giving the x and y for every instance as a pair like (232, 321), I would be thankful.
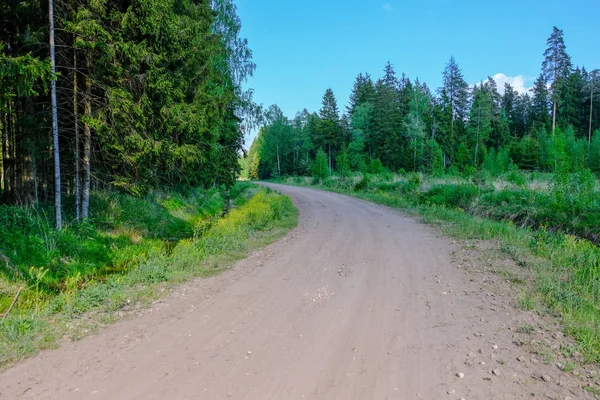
(363, 184)
(375, 166)
(459, 196)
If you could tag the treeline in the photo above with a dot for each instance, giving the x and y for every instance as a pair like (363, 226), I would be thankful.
(399, 124)
(149, 94)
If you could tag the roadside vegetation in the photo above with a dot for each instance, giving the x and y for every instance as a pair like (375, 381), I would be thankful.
(91, 273)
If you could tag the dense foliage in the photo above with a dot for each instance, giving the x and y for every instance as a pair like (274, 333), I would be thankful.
(149, 96)
(406, 126)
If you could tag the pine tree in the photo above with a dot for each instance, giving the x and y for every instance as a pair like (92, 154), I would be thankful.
(454, 103)
(556, 69)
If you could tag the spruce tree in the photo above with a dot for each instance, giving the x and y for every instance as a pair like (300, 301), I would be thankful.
(387, 138)
(363, 91)
(329, 128)
(540, 103)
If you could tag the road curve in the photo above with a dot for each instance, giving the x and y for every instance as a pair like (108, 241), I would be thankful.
(348, 306)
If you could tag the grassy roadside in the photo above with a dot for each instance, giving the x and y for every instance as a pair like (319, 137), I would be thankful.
(195, 243)
(566, 269)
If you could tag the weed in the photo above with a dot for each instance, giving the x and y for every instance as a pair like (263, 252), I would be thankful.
(525, 302)
(569, 367)
(527, 329)
(509, 276)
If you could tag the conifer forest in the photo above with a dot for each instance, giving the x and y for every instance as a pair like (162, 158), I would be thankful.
(399, 123)
(148, 95)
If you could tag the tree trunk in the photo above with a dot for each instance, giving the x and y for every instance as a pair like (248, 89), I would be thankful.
(591, 108)
(278, 162)
(478, 130)
(87, 142)
(6, 152)
(554, 118)
(415, 155)
(77, 140)
(36, 196)
(57, 199)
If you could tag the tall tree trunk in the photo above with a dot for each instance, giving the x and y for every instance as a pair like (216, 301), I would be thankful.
(57, 199)
(36, 197)
(415, 155)
(591, 108)
(278, 162)
(77, 155)
(87, 142)
(5, 151)
(554, 118)
(478, 130)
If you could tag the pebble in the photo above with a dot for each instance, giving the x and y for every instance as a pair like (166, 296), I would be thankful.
(249, 353)
(546, 378)
(451, 391)
(496, 372)
(470, 354)
(557, 335)
(495, 347)
(520, 359)
(460, 375)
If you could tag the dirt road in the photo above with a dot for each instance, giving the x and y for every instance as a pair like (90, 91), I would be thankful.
(358, 302)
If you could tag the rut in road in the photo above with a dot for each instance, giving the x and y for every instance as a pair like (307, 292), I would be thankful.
(357, 302)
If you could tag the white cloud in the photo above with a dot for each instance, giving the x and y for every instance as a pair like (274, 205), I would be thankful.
(519, 82)
(388, 7)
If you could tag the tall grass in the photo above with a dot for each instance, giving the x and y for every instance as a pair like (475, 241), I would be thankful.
(139, 245)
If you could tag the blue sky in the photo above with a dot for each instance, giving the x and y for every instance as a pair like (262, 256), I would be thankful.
(303, 47)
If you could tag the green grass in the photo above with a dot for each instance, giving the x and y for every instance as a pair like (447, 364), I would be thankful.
(127, 256)
(565, 268)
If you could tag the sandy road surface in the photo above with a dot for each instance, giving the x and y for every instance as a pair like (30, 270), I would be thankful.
(358, 302)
